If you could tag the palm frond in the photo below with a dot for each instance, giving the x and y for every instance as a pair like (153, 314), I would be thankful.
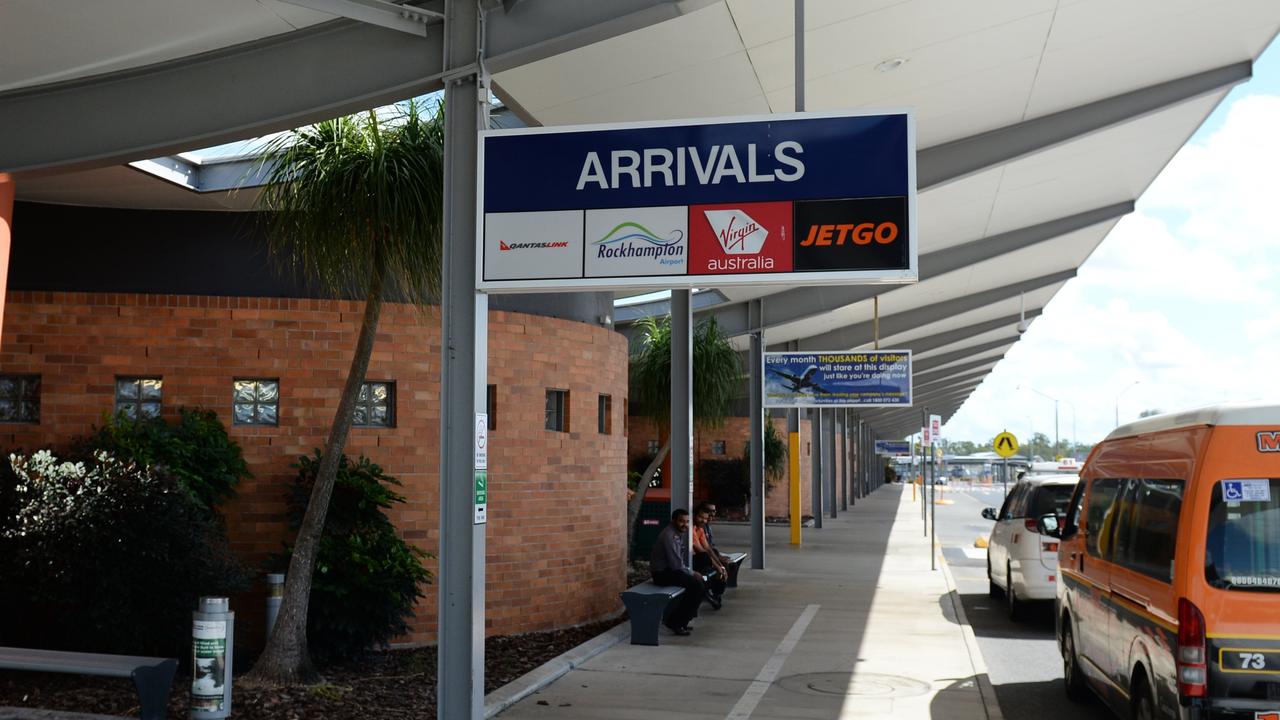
(348, 194)
(717, 372)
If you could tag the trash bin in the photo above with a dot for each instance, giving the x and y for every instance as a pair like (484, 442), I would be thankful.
(653, 517)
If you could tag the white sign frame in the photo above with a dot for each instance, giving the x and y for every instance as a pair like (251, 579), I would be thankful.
(664, 282)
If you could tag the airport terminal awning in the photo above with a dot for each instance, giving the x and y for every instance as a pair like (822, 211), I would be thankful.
(1039, 122)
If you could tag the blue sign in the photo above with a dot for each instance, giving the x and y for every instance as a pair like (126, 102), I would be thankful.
(872, 378)
(893, 447)
(795, 199)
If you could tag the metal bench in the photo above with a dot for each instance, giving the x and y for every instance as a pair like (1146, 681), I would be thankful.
(647, 605)
(153, 677)
(735, 562)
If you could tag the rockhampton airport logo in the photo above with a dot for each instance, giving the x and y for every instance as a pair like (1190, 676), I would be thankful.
(633, 240)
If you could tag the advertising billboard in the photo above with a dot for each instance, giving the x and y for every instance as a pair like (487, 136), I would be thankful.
(805, 198)
(865, 378)
(893, 447)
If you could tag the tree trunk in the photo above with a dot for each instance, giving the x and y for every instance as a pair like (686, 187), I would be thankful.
(642, 487)
(285, 660)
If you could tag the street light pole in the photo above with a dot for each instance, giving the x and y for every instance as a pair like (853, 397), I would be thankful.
(1118, 395)
(1055, 416)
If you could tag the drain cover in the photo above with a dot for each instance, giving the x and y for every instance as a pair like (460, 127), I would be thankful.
(870, 685)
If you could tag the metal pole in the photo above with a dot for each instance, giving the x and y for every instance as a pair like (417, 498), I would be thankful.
(756, 394)
(793, 472)
(1005, 475)
(924, 505)
(933, 508)
(799, 33)
(845, 458)
(829, 445)
(815, 458)
(682, 405)
(464, 366)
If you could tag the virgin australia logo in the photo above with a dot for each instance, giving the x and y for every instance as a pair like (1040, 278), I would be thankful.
(633, 240)
(737, 232)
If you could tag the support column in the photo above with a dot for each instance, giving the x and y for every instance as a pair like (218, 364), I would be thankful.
(682, 404)
(793, 473)
(844, 457)
(855, 460)
(756, 397)
(464, 366)
(815, 458)
(829, 445)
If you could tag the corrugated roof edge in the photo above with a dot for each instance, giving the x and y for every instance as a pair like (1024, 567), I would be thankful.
(1259, 413)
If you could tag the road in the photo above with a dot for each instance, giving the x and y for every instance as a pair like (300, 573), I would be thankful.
(1022, 658)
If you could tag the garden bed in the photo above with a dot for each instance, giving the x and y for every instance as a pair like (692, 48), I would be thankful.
(392, 684)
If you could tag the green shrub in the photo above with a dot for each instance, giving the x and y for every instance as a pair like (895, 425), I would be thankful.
(197, 451)
(367, 578)
(106, 556)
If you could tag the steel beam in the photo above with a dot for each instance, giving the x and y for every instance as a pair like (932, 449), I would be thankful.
(860, 333)
(829, 445)
(957, 159)
(933, 342)
(935, 375)
(281, 82)
(937, 361)
(815, 458)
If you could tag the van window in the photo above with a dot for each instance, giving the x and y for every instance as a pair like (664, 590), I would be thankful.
(1050, 500)
(1010, 502)
(1146, 526)
(1100, 516)
(1243, 548)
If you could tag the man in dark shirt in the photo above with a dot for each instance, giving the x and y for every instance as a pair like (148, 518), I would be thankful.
(669, 564)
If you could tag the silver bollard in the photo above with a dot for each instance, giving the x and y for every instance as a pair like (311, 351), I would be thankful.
(212, 639)
(275, 596)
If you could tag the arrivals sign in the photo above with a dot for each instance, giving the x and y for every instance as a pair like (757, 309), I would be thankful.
(872, 378)
(804, 198)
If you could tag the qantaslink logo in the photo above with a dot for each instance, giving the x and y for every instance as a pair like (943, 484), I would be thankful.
(507, 247)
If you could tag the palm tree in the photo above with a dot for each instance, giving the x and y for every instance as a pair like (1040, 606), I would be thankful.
(354, 204)
(717, 375)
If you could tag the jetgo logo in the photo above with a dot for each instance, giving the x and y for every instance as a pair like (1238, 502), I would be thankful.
(1267, 715)
(508, 247)
(740, 238)
(1269, 442)
(855, 234)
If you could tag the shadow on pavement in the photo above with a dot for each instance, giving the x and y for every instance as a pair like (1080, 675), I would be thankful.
(1046, 700)
(989, 617)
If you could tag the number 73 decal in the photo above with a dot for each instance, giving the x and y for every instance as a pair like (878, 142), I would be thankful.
(1249, 660)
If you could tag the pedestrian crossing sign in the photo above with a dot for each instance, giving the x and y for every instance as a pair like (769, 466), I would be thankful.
(1006, 444)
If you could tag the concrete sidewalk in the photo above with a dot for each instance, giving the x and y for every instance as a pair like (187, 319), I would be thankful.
(851, 624)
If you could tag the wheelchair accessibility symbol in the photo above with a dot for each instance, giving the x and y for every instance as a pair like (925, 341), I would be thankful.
(1246, 490)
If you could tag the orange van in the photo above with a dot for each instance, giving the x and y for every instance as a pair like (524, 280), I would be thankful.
(1168, 598)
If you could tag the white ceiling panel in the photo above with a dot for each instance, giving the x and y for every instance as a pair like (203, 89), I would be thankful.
(108, 35)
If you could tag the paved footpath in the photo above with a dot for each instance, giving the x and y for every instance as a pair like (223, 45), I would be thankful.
(851, 624)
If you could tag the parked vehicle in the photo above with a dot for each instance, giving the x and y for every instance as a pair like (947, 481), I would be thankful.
(1169, 599)
(1022, 563)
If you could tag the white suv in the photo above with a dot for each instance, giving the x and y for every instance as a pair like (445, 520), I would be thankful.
(1022, 563)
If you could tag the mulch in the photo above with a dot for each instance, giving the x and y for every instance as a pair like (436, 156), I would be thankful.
(391, 684)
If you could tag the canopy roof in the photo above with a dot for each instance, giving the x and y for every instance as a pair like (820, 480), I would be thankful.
(1040, 122)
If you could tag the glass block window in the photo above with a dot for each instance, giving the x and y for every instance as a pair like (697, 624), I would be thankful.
(557, 415)
(604, 415)
(138, 398)
(20, 398)
(652, 447)
(256, 402)
(491, 406)
(375, 407)
(717, 447)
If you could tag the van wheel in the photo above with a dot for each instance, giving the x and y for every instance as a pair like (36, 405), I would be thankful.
(1143, 705)
(1011, 595)
(992, 588)
(1071, 677)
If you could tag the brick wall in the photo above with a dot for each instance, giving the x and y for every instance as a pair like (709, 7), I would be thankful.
(734, 433)
(555, 554)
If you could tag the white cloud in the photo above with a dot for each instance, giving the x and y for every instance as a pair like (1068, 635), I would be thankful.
(1183, 296)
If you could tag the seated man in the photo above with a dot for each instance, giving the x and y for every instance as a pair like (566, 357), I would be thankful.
(706, 559)
(668, 563)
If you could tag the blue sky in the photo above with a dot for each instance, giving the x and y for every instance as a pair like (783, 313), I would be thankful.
(1183, 297)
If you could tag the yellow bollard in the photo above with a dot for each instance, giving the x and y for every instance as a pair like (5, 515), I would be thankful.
(793, 447)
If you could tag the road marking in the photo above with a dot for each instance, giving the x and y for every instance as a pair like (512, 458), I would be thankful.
(975, 553)
(747, 704)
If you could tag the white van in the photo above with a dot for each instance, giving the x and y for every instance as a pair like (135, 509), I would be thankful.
(1021, 563)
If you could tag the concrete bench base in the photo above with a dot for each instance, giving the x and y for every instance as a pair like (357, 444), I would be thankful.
(647, 605)
(735, 562)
